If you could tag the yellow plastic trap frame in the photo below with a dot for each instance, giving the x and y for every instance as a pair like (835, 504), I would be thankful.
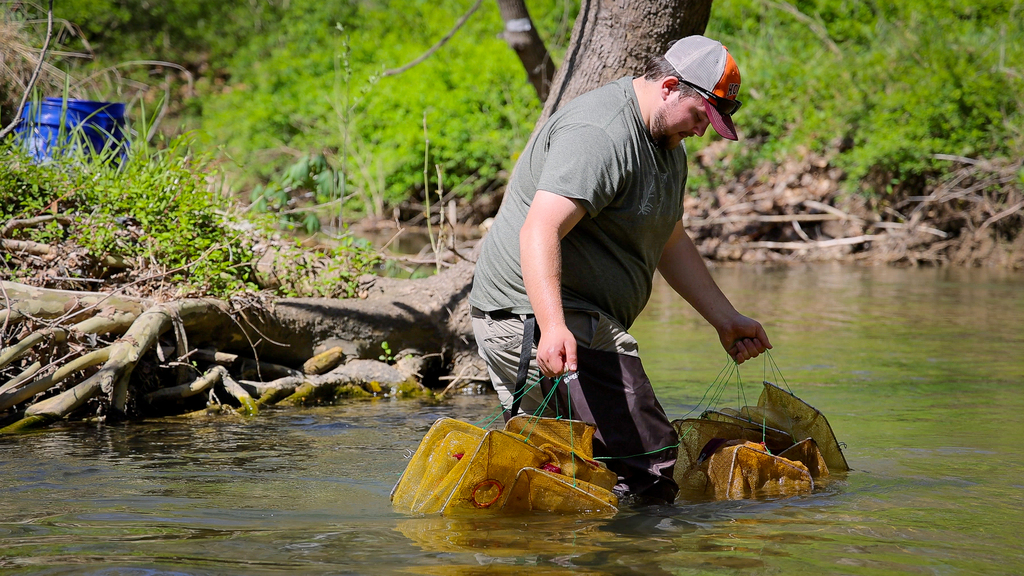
(535, 464)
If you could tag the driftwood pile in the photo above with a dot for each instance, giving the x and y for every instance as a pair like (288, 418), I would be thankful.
(797, 211)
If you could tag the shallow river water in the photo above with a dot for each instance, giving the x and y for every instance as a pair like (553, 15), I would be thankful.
(919, 372)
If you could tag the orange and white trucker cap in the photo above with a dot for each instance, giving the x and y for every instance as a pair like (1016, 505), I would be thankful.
(707, 67)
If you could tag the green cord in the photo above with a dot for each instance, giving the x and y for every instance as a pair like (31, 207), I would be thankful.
(499, 409)
(676, 445)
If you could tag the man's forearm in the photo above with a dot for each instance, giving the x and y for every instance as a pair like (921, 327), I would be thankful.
(683, 268)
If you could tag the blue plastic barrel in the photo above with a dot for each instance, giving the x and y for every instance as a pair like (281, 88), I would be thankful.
(90, 126)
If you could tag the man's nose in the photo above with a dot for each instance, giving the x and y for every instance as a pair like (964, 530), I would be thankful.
(702, 127)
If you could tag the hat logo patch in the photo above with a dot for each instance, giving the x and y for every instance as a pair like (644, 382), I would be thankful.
(734, 90)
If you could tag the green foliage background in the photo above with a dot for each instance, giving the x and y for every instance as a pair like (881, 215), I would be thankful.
(299, 82)
(911, 79)
(290, 91)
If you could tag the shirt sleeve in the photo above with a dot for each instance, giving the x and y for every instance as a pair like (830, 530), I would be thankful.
(583, 163)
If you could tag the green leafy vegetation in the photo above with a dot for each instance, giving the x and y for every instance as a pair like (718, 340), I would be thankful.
(158, 211)
(292, 96)
(884, 85)
(298, 86)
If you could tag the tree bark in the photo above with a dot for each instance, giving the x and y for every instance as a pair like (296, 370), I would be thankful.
(613, 38)
(522, 36)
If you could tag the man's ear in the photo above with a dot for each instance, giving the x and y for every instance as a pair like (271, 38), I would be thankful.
(668, 85)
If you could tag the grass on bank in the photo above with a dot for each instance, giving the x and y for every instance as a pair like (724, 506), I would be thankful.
(158, 211)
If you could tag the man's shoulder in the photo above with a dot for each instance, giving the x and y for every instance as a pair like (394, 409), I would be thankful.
(604, 107)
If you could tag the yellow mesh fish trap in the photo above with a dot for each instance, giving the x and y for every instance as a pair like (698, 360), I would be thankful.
(460, 469)
(772, 462)
(802, 420)
(572, 433)
(536, 489)
(746, 470)
(436, 456)
(694, 435)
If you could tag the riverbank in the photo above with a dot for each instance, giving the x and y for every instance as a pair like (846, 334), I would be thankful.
(799, 211)
(303, 298)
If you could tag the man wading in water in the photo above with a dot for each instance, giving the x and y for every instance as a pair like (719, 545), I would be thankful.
(594, 206)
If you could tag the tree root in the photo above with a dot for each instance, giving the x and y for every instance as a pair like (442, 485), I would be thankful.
(12, 353)
(427, 318)
(247, 367)
(182, 391)
(26, 424)
(22, 377)
(112, 378)
(249, 407)
(12, 394)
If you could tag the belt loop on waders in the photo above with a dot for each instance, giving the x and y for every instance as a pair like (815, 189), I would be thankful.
(530, 337)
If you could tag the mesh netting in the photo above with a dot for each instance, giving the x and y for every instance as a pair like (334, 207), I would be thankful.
(752, 451)
(574, 433)
(746, 470)
(803, 421)
(539, 464)
(536, 489)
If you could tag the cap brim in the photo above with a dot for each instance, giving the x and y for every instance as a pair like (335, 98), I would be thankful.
(721, 123)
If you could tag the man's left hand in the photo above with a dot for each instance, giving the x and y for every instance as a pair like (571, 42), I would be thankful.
(743, 338)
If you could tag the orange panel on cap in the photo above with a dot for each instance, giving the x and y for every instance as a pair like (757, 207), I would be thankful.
(729, 84)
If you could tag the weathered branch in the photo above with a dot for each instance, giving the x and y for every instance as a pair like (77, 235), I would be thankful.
(22, 377)
(12, 395)
(26, 246)
(12, 353)
(108, 321)
(16, 224)
(197, 386)
(271, 392)
(814, 245)
(10, 316)
(49, 304)
(249, 407)
(246, 367)
(113, 378)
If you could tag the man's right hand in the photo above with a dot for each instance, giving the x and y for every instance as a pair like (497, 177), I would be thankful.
(556, 352)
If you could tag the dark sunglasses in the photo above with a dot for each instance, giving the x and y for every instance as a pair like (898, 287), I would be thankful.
(724, 106)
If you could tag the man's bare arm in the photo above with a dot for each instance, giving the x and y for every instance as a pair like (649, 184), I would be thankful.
(550, 218)
(681, 265)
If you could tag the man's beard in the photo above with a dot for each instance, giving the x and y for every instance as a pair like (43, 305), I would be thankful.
(659, 130)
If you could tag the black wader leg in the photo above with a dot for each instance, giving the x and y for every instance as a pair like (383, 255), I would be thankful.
(529, 336)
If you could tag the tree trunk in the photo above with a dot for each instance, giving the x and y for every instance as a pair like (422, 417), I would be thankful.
(613, 38)
(522, 37)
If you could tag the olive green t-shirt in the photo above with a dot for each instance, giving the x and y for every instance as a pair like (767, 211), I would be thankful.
(596, 150)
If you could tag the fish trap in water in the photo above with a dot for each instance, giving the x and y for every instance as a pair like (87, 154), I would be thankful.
(534, 464)
(779, 447)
